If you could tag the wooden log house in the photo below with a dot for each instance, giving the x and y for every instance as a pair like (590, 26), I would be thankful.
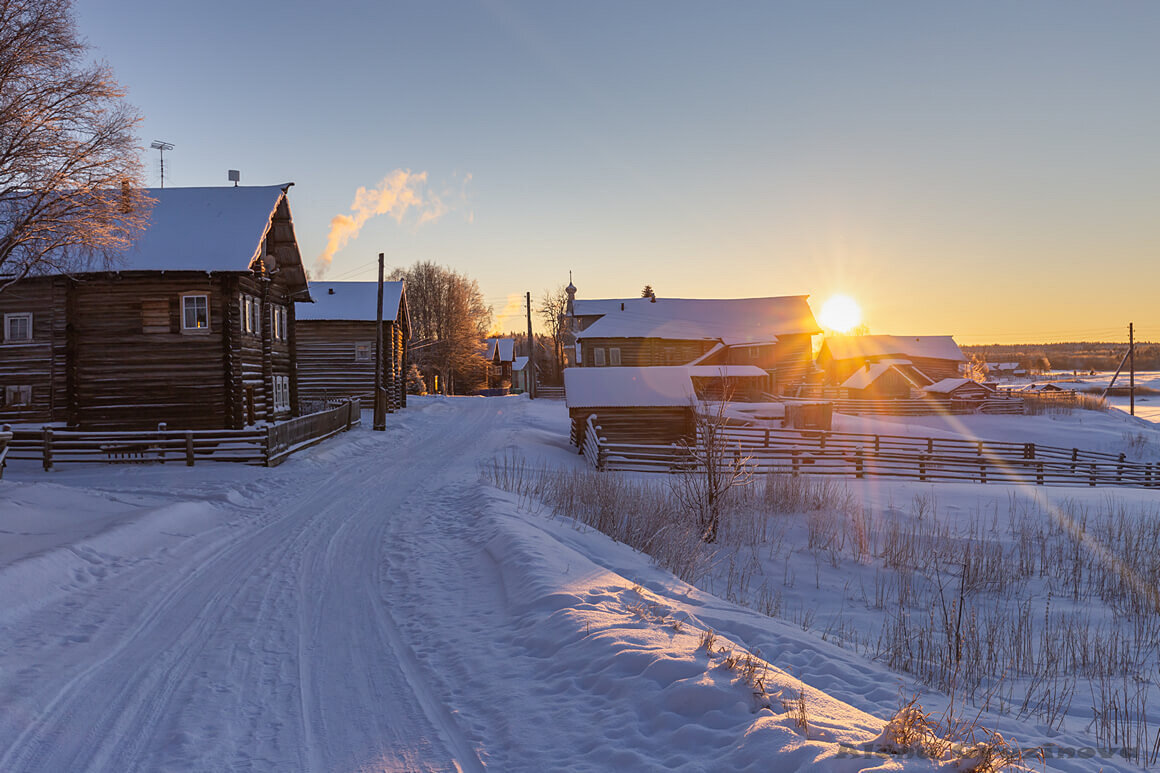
(336, 342)
(500, 355)
(193, 327)
(925, 359)
(774, 334)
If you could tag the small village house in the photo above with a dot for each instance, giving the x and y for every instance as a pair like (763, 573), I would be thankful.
(523, 374)
(500, 355)
(774, 334)
(193, 327)
(336, 342)
(923, 359)
(884, 380)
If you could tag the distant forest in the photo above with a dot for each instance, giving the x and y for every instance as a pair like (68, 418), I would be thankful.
(1078, 356)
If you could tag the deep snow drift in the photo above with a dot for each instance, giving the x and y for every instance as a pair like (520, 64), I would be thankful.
(373, 605)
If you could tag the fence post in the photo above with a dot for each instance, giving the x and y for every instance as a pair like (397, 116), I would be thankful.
(877, 444)
(1120, 470)
(350, 413)
(269, 444)
(796, 462)
(930, 445)
(47, 449)
(767, 437)
(982, 469)
(1092, 475)
(161, 428)
(822, 441)
(1039, 473)
(1074, 457)
(189, 448)
(858, 462)
(922, 467)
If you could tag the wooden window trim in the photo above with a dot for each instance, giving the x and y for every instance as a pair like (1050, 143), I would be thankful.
(8, 318)
(614, 357)
(17, 389)
(370, 353)
(598, 356)
(185, 297)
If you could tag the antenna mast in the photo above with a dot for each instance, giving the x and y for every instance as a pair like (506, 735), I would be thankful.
(161, 147)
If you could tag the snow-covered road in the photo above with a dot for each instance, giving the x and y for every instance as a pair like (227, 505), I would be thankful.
(268, 639)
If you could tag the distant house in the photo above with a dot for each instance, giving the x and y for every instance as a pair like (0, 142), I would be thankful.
(882, 380)
(773, 334)
(336, 342)
(500, 355)
(958, 389)
(924, 359)
(194, 327)
(523, 373)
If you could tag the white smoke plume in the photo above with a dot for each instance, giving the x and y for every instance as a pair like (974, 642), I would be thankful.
(398, 193)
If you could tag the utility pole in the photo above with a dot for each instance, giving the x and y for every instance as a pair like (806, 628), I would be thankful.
(531, 353)
(380, 404)
(1131, 369)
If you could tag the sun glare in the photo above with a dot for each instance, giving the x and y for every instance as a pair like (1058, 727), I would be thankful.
(840, 313)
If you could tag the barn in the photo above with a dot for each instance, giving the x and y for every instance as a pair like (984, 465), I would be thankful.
(925, 359)
(336, 342)
(773, 334)
(194, 327)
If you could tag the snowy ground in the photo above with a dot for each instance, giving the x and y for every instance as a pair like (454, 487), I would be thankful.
(1147, 405)
(372, 605)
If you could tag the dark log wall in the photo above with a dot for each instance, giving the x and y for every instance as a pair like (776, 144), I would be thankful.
(127, 378)
(647, 425)
(793, 360)
(328, 367)
(31, 363)
(642, 352)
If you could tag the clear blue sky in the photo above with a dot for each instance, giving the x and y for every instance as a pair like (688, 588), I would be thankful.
(986, 169)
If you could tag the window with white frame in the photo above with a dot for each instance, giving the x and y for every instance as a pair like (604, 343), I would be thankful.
(17, 394)
(195, 313)
(598, 357)
(18, 327)
(283, 323)
(278, 322)
(363, 351)
(281, 393)
(614, 356)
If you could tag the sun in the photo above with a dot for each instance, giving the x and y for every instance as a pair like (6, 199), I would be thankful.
(840, 313)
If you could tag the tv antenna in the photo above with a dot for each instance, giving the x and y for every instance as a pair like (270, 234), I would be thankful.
(161, 147)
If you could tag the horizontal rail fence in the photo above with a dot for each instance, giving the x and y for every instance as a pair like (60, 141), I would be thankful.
(855, 455)
(267, 446)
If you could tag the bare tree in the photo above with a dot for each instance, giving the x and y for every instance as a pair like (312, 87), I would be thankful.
(448, 323)
(551, 309)
(714, 468)
(70, 171)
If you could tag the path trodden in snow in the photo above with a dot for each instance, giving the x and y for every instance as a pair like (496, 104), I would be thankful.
(372, 606)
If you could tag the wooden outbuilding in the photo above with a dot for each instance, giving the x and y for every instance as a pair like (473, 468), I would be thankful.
(194, 327)
(336, 342)
(653, 405)
(881, 380)
(773, 334)
(926, 359)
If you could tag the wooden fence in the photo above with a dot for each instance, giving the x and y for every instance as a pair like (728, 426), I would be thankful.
(888, 456)
(919, 406)
(267, 446)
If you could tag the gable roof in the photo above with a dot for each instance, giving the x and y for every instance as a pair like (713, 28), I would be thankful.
(732, 320)
(506, 346)
(352, 301)
(664, 386)
(859, 347)
(864, 377)
(948, 385)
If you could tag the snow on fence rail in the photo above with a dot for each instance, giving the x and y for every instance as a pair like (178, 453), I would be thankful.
(918, 406)
(922, 459)
(268, 446)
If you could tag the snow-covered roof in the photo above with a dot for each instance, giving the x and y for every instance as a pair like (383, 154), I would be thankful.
(864, 377)
(726, 371)
(948, 385)
(351, 301)
(732, 320)
(203, 229)
(519, 363)
(857, 347)
(662, 386)
(507, 349)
